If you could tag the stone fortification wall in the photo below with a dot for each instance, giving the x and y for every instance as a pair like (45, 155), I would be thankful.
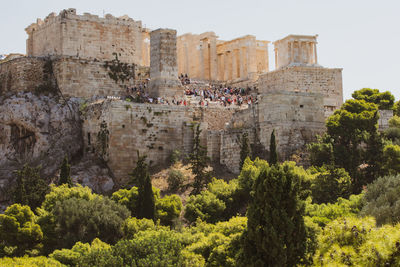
(306, 79)
(154, 130)
(115, 130)
(291, 101)
(88, 36)
(230, 147)
(87, 78)
(21, 74)
(75, 77)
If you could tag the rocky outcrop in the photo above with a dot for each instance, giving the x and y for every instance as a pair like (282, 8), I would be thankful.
(37, 130)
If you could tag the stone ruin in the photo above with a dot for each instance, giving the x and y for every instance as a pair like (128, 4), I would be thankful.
(294, 99)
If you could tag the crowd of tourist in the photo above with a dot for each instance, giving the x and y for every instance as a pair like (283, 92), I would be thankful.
(210, 94)
(184, 79)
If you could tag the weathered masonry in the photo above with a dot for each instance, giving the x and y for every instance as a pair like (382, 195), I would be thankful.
(92, 58)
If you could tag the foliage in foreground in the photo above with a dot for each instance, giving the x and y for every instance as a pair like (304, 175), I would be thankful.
(357, 242)
(382, 200)
(276, 233)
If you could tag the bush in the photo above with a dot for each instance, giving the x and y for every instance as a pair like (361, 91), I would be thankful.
(382, 200)
(152, 248)
(69, 215)
(19, 233)
(329, 184)
(340, 241)
(175, 179)
(323, 214)
(72, 256)
(205, 206)
(168, 209)
(133, 225)
(30, 261)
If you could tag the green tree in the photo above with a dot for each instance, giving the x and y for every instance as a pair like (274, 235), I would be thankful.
(321, 151)
(72, 214)
(141, 178)
(65, 169)
(276, 233)
(391, 155)
(198, 160)
(273, 154)
(19, 232)
(30, 188)
(329, 183)
(353, 129)
(244, 149)
(384, 100)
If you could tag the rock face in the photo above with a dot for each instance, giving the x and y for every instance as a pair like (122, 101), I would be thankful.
(94, 173)
(37, 130)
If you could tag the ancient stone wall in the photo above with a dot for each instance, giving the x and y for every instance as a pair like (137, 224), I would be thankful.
(163, 64)
(87, 78)
(88, 36)
(75, 77)
(230, 143)
(115, 130)
(306, 79)
(291, 101)
(21, 74)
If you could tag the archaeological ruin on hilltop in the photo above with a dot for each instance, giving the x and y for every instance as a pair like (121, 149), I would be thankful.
(98, 60)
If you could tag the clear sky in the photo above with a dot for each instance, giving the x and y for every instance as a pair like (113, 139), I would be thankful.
(360, 36)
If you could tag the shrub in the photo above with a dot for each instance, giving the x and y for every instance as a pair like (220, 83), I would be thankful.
(168, 209)
(205, 206)
(72, 256)
(329, 184)
(19, 233)
(382, 200)
(30, 261)
(323, 214)
(175, 179)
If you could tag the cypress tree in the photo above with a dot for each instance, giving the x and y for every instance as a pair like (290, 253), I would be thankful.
(244, 149)
(199, 162)
(273, 154)
(30, 188)
(65, 169)
(140, 177)
(275, 234)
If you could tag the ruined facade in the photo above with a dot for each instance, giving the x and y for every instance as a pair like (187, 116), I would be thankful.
(81, 55)
(204, 57)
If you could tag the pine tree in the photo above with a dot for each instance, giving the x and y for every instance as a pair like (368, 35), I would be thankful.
(199, 162)
(275, 234)
(244, 149)
(140, 177)
(273, 154)
(65, 170)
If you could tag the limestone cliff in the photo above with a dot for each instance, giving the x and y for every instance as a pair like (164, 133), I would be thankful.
(38, 130)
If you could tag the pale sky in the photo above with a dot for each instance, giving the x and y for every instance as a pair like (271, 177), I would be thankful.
(362, 37)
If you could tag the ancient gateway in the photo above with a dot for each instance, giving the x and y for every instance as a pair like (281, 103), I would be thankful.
(100, 59)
